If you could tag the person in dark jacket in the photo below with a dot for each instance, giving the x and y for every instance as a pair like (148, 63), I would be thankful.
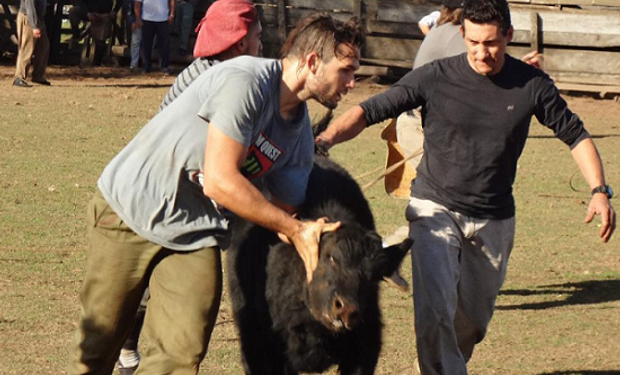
(33, 44)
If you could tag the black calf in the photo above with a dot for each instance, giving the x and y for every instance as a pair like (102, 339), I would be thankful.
(288, 326)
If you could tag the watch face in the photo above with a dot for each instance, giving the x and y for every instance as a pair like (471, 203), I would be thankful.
(610, 193)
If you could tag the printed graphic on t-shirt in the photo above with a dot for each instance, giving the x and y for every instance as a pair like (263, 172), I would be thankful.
(261, 157)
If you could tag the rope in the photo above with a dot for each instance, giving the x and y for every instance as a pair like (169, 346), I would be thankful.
(391, 169)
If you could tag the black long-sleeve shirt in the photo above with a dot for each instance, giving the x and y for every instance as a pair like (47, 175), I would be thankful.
(475, 128)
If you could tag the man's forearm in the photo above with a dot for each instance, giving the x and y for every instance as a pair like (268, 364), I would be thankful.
(587, 158)
(137, 8)
(347, 126)
(238, 195)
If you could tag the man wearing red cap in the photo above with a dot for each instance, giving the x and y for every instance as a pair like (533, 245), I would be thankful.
(164, 204)
(230, 28)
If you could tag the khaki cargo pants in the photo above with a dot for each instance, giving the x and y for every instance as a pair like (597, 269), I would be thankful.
(185, 292)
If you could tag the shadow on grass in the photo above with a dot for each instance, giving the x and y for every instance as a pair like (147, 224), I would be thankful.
(582, 293)
(582, 372)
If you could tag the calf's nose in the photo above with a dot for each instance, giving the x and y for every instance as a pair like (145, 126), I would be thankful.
(345, 311)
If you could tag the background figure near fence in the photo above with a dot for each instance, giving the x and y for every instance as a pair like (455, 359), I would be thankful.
(135, 36)
(183, 22)
(33, 45)
(98, 17)
(427, 22)
(230, 28)
(154, 17)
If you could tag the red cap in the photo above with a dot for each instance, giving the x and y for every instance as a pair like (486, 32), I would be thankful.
(225, 23)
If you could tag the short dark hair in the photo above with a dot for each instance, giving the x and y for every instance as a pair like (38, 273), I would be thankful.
(487, 11)
(322, 34)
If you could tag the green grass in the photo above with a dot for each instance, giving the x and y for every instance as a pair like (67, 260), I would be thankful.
(558, 313)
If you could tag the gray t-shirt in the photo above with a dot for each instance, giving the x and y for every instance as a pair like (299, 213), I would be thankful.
(154, 183)
(441, 42)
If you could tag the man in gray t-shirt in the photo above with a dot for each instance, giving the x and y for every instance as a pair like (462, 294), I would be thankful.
(214, 43)
(160, 215)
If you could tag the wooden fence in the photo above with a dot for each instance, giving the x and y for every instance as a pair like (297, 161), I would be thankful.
(580, 39)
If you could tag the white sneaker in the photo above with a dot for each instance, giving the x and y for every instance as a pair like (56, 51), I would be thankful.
(416, 367)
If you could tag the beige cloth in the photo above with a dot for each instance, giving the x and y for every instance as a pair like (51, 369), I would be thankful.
(410, 136)
(31, 51)
(404, 137)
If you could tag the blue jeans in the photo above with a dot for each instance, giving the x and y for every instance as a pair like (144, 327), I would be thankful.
(136, 39)
(184, 17)
(150, 30)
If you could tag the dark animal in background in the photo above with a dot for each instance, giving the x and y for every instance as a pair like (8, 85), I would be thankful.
(288, 326)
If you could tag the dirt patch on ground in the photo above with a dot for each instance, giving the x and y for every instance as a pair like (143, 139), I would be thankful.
(60, 75)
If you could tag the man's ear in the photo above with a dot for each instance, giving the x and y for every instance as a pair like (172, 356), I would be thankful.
(510, 34)
(313, 61)
(241, 45)
(462, 29)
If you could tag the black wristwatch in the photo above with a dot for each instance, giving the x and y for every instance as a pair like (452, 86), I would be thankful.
(606, 189)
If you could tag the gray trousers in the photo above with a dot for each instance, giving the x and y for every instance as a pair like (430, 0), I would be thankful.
(458, 264)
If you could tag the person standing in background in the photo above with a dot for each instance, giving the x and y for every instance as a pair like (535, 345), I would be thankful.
(33, 44)
(230, 28)
(184, 18)
(427, 22)
(136, 34)
(154, 17)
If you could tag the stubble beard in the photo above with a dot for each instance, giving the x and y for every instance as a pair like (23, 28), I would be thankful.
(321, 95)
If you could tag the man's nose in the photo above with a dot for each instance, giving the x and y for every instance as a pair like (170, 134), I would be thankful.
(482, 52)
(350, 82)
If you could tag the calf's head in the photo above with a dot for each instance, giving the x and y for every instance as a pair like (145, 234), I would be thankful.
(352, 262)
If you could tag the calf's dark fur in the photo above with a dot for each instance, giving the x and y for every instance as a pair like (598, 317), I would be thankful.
(288, 326)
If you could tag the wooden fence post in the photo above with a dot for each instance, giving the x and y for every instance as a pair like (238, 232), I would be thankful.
(357, 9)
(282, 20)
(535, 32)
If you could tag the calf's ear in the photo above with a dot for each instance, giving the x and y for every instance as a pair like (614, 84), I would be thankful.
(395, 255)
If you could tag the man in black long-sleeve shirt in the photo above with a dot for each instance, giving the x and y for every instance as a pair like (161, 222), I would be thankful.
(477, 109)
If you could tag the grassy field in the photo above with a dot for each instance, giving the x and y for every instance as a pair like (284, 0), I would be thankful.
(559, 312)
